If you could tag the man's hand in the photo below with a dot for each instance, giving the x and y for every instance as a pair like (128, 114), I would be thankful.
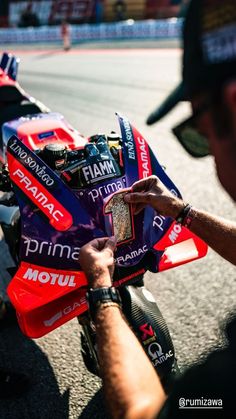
(97, 261)
(151, 191)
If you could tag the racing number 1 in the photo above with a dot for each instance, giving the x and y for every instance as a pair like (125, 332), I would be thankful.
(122, 219)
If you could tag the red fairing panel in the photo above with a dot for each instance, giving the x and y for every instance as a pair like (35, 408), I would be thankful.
(180, 246)
(46, 298)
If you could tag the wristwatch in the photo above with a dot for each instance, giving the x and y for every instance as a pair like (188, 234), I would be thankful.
(99, 296)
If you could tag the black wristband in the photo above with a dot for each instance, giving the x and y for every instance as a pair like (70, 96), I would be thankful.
(99, 296)
(183, 214)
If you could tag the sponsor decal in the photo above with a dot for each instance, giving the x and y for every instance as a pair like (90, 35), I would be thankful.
(58, 216)
(147, 331)
(26, 158)
(48, 277)
(105, 190)
(130, 256)
(148, 334)
(157, 355)
(174, 234)
(127, 278)
(57, 250)
(98, 171)
(129, 140)
(45, 135)
(121, 217)
(64, 312)
(144, 163)
(158, 221)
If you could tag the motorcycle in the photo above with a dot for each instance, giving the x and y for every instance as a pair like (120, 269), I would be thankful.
(62, 190)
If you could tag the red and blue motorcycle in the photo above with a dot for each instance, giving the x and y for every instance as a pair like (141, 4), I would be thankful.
(62, 190)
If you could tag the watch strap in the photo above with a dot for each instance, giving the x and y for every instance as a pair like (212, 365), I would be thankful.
(98, 296)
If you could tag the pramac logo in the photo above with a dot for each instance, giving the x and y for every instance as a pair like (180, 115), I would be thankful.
(58, 216)
(144, 163)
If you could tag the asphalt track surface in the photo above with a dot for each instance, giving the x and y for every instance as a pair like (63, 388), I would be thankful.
(88, 86)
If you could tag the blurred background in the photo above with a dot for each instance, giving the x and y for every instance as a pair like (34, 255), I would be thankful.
(23, 13)
(41, 20)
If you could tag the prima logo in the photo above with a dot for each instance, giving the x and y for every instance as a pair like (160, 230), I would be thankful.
(105, 190)
(50, 249)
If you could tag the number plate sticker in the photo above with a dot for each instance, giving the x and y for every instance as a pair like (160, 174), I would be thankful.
(121, 217)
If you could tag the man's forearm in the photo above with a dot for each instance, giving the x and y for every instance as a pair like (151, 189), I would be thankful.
(131, 385)
(217, 232)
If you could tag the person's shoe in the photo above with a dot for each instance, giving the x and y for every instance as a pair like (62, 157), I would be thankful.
(12, 384)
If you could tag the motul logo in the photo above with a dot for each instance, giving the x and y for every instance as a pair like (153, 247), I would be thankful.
(174, 234)
(49, 277)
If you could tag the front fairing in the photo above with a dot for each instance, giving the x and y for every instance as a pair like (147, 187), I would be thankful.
(49, 287)
(44, 245)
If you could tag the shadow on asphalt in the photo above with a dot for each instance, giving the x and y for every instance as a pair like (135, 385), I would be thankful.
(95, 408)
(43, 399)
(43, 55)
(18, 353)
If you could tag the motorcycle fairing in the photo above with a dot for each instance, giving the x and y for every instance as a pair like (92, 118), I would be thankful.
(47, 247)
(38, 130)
(42, 307)
(42, 194)
(180, 246)
(169, 254)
